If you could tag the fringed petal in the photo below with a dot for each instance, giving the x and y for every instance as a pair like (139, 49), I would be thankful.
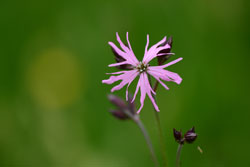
(146, 89)
(159, 73)
(127, 54)
(127, 77)
(118, 64)
(152, 52)
(172, 62)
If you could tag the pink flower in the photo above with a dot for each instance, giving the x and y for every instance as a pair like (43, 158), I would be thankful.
(141, 69)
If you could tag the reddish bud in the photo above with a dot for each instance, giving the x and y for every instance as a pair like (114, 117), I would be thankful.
(190, 136)
(165, 53)
(119, 114)
(122, 107)
(117, 101)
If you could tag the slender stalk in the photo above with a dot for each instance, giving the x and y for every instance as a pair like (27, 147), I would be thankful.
(149, 143)
(139, 123)
(156, 85)
(178, 155)
(158, 122)
(161, 138)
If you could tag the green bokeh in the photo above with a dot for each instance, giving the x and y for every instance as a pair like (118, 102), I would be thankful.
(53, 106)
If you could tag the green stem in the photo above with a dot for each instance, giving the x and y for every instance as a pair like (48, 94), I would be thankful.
(139, 123)
(156, 86)
(161, 138)
(178, 155)
(149, 143)
(158, 122)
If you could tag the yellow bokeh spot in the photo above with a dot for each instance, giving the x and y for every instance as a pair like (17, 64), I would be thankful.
(55, 79)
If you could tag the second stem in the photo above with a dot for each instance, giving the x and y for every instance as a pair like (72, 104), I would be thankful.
(158, 122)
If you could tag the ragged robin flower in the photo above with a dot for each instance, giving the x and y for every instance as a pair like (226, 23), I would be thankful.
(126, 60)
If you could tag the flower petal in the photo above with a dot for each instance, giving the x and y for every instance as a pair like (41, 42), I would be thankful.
(127, 52)
(174, 76)
(163, 54)
(146, 89)
(158, 79)
(127, 77)
(131, 80)
(143, 92)
(117, 50)
(158, 72)
(146, 47)
(132, 55)
(118, 64)
(118, 72)
(172, 62)
(124, 47)
(154, 50)
(121, 53)
(137, 88)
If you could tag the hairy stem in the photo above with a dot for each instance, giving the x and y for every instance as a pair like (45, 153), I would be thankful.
(178, 155)
(139, 123)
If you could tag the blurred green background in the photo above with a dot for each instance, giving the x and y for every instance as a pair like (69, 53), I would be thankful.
(53, 106)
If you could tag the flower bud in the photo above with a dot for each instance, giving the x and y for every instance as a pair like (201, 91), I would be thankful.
(190, 136)
(165, 53)
(118, 59)
(170, 41)
(117, 101)
(178, 136)
(124, 110)
(119, 114)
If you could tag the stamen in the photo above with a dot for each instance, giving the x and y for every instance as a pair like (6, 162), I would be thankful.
(142, 67)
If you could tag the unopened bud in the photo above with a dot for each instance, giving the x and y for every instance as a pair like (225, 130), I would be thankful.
(117, 101)
(170, 41)
(124, 110)
(119, 114)
(165, 54)
(190, 136)
(178, 136)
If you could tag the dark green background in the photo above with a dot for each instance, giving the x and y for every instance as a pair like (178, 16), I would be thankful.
(53, 106)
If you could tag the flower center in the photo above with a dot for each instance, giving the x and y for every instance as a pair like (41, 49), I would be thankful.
(142, 67)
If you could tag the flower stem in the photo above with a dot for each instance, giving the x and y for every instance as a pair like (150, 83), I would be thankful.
(156, 85)
(163, 151)
(178, 155)
(158, 122)
(149, 143)
(139, 123)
